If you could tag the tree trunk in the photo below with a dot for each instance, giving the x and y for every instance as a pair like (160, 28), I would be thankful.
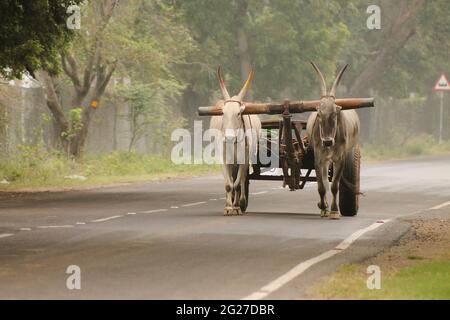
(60, 123)
(397, 32)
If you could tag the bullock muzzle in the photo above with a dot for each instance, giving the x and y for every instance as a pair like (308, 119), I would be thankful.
(328, 142)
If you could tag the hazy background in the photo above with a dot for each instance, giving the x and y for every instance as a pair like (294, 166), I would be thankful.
(163, 57)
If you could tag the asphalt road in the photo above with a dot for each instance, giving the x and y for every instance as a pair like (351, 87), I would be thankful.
(169, 240)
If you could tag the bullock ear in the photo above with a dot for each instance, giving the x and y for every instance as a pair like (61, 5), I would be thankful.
(338, 108)
(241, 109)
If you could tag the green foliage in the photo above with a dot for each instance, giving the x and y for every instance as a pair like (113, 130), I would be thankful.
(150, 112)
(75, 124)
(428, 280)
(283, 36)
(31, 35)
(412, 68)
(399, 147)
(33, 166)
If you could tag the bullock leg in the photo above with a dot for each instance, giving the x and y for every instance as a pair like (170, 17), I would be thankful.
(337, 174)
(322, 185)
(243, 199)
(228, 175)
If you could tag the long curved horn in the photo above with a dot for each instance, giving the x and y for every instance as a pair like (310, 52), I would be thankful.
(223, 89)
(247, 83)
(323, 85)
(336, 81)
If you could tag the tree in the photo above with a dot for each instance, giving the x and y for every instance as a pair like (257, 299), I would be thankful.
(89, 83)
(137, 40)
(148, 108)
(32, 33)
(278, 37)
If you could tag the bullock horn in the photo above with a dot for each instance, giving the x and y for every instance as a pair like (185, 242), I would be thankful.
(323, 85)
(336, 81)
(223, 89)
(247, 83)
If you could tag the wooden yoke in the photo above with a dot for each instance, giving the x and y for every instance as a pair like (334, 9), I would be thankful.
(294, 106)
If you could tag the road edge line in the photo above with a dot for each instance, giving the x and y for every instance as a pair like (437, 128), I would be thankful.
(293, 273)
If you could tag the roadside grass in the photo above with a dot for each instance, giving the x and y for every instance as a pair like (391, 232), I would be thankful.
(32, 168)
(421, 145)
(418, 267)
(425, 281)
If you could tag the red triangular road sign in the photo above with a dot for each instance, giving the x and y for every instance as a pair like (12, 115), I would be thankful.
(442, 84)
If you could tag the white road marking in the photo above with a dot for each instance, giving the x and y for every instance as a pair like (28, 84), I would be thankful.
(51, 227)
(223, 198)
(153, 211)
(131, 213)
(212, 199)
(440, 206)
(193, 204)
(354, 236)
(256, 193)
(4, 235)
(80, 223)
(106, 219)
(305, 265)
(25, 229)
(174, 207)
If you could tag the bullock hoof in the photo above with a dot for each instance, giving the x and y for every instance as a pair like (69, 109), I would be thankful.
(324, 213)
(237, 211)
(335, 215)
(228, 211)
(232, 211)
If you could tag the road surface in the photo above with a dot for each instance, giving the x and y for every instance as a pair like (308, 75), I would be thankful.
(169, 240)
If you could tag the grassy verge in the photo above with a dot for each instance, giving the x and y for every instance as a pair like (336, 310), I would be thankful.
(422, 145)
(34, 169)
(417, 268)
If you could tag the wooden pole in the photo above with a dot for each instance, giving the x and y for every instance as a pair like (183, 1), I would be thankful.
(294, 106)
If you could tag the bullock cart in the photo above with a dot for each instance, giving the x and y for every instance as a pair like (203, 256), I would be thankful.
(295, 154)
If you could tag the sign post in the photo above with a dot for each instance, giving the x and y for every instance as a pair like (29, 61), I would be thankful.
(441, 85)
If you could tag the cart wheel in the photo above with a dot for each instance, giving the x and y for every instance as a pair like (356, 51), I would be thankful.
(349, 190)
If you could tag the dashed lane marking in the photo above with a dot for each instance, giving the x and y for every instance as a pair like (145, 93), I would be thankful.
(193, 204)
(106, 219)
(55, 227)
(154, 211)
(256, 193)
(5, 235)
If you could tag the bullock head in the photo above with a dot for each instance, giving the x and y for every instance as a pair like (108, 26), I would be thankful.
(233, 108)
(328, 111)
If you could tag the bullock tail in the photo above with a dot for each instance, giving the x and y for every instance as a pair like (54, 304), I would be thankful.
(350, 177)
(351, 186)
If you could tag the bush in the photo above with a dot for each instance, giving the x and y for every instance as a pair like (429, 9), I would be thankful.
(33, 166)
(413, 146)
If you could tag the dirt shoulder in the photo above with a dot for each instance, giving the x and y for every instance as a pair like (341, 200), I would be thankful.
(417, 267)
